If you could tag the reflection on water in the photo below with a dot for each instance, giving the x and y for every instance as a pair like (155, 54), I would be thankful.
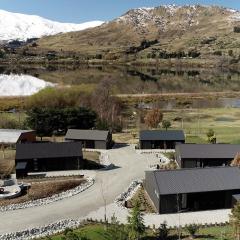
(126, 79)
(192, 103)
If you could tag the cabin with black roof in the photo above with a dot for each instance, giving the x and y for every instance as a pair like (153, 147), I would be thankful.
(195, 189)
(206, 155)
(93, 139)
(160, 139)
(44, 157)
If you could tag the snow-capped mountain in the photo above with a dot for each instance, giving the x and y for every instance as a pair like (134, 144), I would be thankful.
(16, 26)
(166, 17)
(171, 27)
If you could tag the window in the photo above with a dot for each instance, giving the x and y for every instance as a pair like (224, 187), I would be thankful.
(35, 164)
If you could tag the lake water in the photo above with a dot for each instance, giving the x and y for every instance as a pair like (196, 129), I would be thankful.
(28, 80)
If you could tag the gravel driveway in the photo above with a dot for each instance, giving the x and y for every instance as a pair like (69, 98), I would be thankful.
(109, 184)
(90, 203)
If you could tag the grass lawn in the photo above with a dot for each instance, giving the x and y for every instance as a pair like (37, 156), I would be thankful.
(98, 232)
(214, 233)
(196, 122)
(92, 232)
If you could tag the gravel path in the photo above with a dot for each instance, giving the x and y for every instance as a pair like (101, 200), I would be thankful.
(108, 185)
(91, 203)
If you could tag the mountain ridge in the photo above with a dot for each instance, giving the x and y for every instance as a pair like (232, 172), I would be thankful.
(151, 23)
(194, 34)
(18, 26)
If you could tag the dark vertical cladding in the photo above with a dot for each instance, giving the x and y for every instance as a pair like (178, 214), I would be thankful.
(152, 189)
(205, 155)
(43, 157)
(160, 139)
(196, 189)
(93, 139)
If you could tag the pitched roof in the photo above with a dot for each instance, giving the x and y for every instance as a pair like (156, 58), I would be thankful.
(208, 150)
(48, 150)
(11, 135)
(177, 135)
(197, 180)
(78, 134)
(236, 197)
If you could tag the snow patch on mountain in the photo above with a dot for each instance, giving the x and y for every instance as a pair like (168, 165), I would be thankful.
(236, 16)
(21, 85)
(15, 26)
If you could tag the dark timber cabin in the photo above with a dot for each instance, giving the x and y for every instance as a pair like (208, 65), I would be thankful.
(94, 139)
(160, 139)
(205, 155)
(43, 157)
(195, 189)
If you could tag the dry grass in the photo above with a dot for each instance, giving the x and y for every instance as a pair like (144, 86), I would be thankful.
(91, 156)
(113, 38)
(127, 137)
(42, 189)
(7, 162)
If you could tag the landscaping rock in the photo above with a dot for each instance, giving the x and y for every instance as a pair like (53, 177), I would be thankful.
(54, 198)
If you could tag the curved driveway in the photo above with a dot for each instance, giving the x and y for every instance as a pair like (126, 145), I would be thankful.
(109, 184)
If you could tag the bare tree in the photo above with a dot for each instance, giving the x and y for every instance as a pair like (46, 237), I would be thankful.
(236, 161)
(153, 118)
(105, 104)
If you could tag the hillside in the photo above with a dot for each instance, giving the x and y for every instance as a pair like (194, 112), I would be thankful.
(207, 29)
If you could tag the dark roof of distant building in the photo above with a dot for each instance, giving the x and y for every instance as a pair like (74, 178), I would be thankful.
(217, 151)
(197, 180)
(79, 134)
(168, 135)
(48, 150)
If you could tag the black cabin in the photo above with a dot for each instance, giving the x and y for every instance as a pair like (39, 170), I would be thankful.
(44, 157)
(160, 139)
(195, 189)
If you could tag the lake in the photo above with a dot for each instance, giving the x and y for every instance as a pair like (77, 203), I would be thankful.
(124, 80)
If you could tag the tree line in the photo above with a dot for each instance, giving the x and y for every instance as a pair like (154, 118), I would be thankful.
(177, 54)
(53, 111)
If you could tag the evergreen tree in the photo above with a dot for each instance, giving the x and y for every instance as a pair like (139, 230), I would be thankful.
(135, 223)
(166, 124)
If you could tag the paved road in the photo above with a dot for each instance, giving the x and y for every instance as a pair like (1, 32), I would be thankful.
(109, 184)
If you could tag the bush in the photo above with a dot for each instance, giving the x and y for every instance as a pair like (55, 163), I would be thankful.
(236, 29)
(192, 229)
(163, 231)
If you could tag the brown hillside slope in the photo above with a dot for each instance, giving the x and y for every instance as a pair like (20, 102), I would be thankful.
(176, 28)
